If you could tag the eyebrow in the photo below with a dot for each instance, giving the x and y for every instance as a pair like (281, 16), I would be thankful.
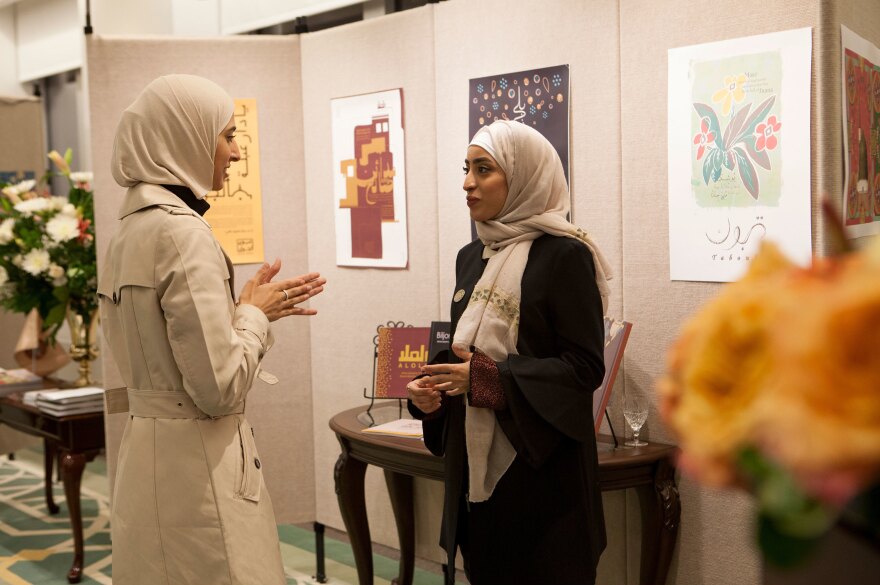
(479, 159)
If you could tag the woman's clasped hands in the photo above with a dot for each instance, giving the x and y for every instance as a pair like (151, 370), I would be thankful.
(280, 299)
(426, 392)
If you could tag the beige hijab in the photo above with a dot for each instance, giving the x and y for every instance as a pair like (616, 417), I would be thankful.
(537, 204)
(168, 136)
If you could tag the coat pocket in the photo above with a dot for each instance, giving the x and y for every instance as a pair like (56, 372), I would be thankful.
(250, 478)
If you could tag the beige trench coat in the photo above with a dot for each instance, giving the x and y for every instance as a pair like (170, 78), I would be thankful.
(189, 506)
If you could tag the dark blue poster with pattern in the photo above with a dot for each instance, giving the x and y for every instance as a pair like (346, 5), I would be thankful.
(537, 97)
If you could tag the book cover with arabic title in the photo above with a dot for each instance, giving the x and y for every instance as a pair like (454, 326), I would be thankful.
(402, 352)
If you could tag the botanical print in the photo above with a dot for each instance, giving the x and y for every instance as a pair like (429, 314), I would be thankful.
(861, 127)
(739, 153)
(737, 130)
(369, 180)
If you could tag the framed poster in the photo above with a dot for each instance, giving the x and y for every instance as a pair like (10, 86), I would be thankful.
(236, 214)
(738, 153)
(861, 135)
(369, 180)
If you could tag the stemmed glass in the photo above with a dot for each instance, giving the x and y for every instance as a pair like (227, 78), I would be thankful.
(635, 411)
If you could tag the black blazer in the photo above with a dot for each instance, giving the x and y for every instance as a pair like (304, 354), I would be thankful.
(544, 521)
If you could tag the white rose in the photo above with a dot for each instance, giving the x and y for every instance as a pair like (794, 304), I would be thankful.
(57, 203)
(63, 228)
(57, 274)
(81, 177)
(69, 209)
(4, 276)
(6, 234)
(23, 186)
(17, 260)
(36, 262)
(31, 206)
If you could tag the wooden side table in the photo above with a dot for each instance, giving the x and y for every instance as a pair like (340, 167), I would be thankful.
(648, 469)
(78, 438)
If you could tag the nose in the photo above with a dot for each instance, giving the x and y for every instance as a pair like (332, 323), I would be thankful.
(469, 183)
(235, 154)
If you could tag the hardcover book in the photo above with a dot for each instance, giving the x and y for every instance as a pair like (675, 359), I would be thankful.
(440, 338)
(402, 352)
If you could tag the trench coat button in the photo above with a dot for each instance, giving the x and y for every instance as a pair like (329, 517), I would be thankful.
(257, 462)
(114, 298)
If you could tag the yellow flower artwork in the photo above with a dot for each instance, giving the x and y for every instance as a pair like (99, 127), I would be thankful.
(731, 92)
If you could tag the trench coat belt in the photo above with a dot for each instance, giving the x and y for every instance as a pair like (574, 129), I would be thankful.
(155, 404)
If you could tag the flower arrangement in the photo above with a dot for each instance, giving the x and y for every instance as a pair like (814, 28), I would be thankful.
(774, 387)
(47, 252)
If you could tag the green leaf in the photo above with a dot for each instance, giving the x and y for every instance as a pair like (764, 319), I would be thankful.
(707, 166)
(747, 172)
(68, 156)
(782, 549)
(732, 130)
(705, 111)
(759, 156)
(759, 114)
(55, 316)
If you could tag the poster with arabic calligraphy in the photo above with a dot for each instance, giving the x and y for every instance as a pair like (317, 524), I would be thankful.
(861, 135)
(236, 214)
(738, 153)
(369, 180)
(537, 97)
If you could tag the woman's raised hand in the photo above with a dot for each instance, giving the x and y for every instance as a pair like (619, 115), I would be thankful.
(280, 299)
(423, 395)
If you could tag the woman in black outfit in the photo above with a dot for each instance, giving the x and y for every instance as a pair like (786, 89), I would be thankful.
(512, 410)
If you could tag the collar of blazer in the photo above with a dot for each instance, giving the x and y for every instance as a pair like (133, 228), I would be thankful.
(145, 195)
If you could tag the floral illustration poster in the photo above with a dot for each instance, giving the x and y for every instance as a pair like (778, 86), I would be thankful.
(236, 214)
(369, 180)
(861, 135)
(739, 153)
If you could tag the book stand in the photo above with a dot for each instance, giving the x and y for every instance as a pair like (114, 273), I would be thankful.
(372, 395)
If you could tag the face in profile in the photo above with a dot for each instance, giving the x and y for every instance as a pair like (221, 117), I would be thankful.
(485, 184)
(226, 154)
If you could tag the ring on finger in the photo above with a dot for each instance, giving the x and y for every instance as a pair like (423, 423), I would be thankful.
(286, 296)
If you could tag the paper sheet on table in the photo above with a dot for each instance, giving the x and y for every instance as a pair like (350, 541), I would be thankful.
(404, 427)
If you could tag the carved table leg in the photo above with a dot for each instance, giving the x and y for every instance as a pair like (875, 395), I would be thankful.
(349, 477)
(400, 488)
(49, 455)
(661, 513)
(72, 465)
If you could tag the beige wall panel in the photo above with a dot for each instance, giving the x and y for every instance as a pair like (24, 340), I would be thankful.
(715, 544)
(10, 328)
(379, 54)
(585, 36)
(267, 69)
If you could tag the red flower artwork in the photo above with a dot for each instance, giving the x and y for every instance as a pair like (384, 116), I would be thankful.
(703, 138)
(767, 134)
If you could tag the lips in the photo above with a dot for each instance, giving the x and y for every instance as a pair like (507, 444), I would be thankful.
(471, 201)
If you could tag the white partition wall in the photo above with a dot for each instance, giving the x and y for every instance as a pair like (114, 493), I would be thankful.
(267, 69)
(385, 53)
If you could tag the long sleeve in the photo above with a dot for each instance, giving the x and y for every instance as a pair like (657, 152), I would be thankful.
(549, 385)
(217, 351)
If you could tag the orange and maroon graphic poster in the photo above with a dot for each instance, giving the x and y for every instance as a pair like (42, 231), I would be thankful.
(401, 353)
(369, 186)
(861, 129)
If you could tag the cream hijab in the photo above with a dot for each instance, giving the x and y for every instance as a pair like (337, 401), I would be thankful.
(537, 204)
(168, 136)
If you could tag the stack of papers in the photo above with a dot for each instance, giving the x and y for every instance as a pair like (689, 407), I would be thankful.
(18, 380)
(404, 427)
(65, 402)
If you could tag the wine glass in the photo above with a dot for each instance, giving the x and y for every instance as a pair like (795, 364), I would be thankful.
(635, 411)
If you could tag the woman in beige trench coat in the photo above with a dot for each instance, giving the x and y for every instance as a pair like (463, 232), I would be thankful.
(190, 505)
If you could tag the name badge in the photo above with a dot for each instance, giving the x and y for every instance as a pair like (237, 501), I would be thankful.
(459, 294)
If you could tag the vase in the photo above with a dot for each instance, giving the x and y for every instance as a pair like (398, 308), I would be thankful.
(83, 343)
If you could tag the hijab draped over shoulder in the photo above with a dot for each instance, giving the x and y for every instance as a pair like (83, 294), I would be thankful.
(168, 136)
(537, 203)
